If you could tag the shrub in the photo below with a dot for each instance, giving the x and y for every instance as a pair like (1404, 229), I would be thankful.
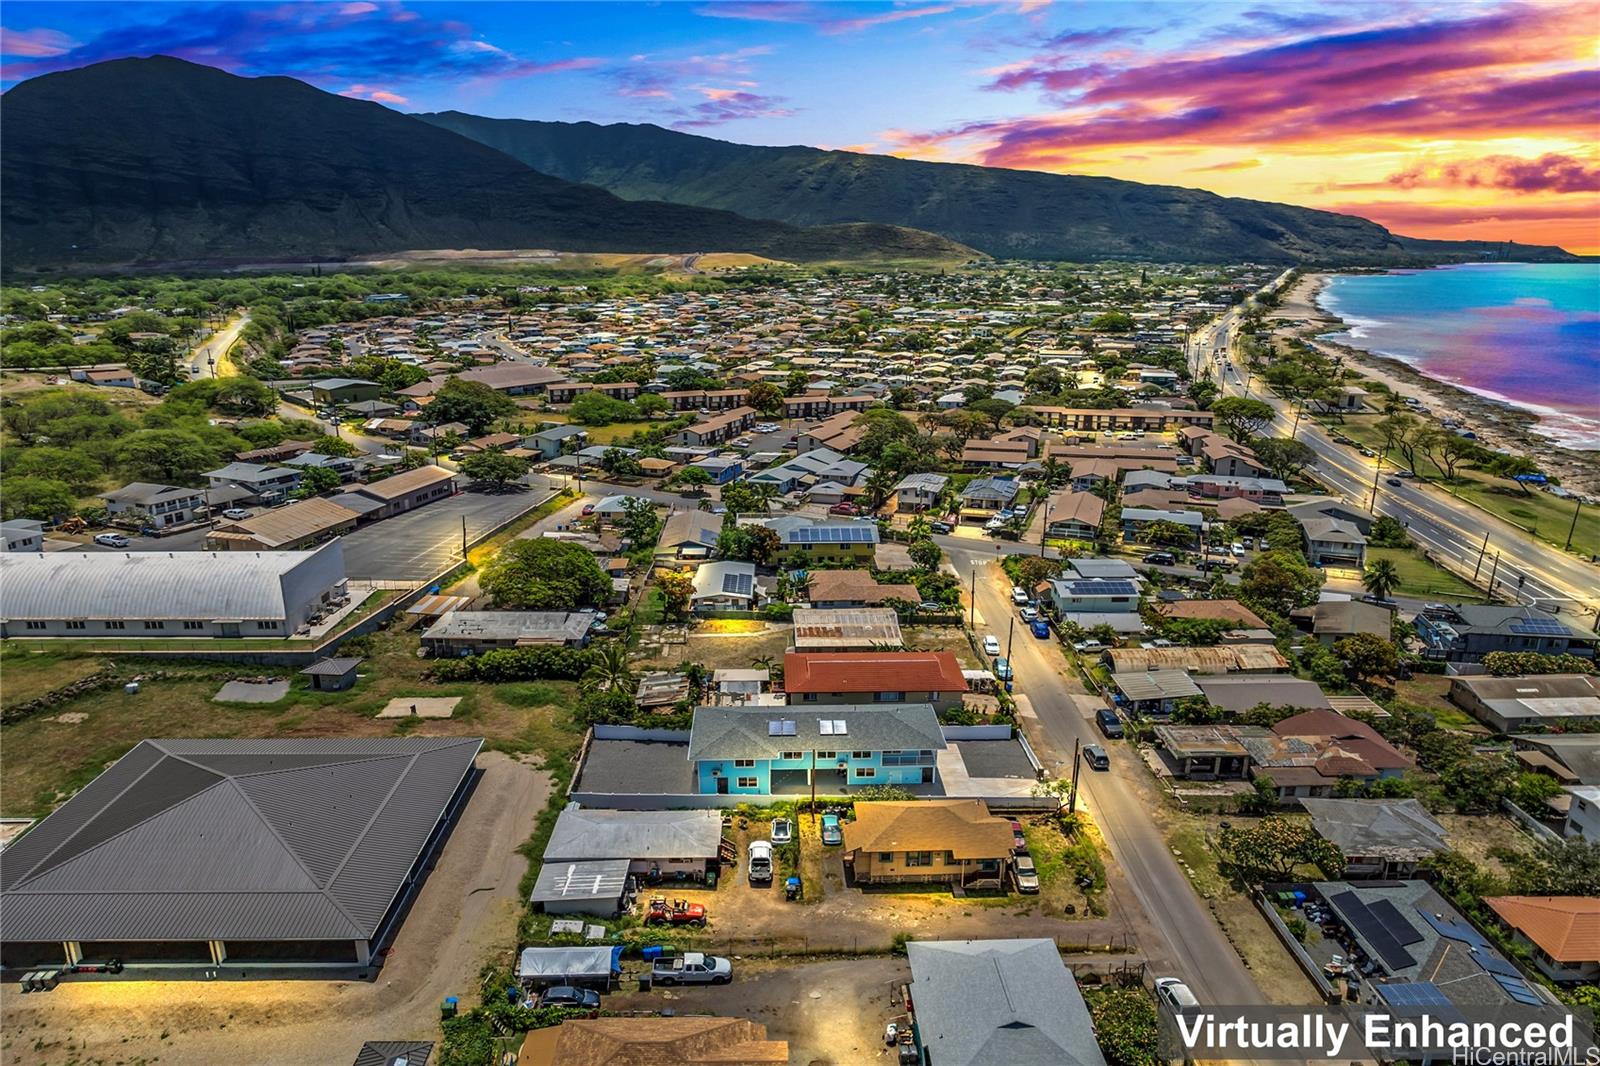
(517, 664)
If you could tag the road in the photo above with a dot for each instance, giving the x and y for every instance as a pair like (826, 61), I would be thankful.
(1454, 531)
(206, 358)
(1194, 945)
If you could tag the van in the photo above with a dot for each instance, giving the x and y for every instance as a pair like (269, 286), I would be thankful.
(1110, 724)
(1096, 756)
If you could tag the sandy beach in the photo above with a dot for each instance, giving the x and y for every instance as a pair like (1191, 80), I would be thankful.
(1499, 426)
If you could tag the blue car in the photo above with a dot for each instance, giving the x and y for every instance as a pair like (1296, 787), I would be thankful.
(1002, 669)
(1041, 628)
(831, 833)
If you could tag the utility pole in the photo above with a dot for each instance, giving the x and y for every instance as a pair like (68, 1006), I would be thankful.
(463, 538)
(1574, 527)
(972, 604)
(1011, 630)
(1493, 571)
(1481, 552)
(1372, 504)
(1077, 763)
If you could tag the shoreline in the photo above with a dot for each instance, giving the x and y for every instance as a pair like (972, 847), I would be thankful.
(1498, 424)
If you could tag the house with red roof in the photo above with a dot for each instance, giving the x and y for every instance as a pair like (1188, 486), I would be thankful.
(1561, 933)
(874, 677)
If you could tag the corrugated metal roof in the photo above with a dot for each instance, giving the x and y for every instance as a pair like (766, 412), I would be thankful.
(256, 839)
(581, 833)
(157, 584)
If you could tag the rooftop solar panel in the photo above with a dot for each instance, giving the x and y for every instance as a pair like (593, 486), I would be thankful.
(1415, 994)
(1518, 989)
(737, 584)
(1361, 919)
(1539, 626)
(1395, 923)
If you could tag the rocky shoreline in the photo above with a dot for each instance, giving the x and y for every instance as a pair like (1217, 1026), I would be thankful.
(1498, 425)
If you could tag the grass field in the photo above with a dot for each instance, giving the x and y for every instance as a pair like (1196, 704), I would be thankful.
(50, 755)
(1541, 514)
(1421, 579)
(1428, 690)
(28, 673)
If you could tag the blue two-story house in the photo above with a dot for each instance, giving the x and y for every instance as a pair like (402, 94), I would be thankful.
(760, 751)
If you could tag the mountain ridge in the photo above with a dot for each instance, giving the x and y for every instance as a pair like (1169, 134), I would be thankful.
(158, 159)
(1002, 212)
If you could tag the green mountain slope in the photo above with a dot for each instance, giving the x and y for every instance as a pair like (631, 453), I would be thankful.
(148, 160)
(1007, 213)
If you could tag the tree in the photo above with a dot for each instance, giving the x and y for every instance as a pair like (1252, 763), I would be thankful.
(1513, 467)
(1388, 533)
(1125, 1026)
(1203, 393)
(620, 463)
(688, 379)
(165, 456)
(1274, 848)
(1447, 450)
(677, 590)
(1283, 457)
(796, 383)
(598, 409)
(1280, 581)
(1043, 380)
(1532, 790)
(639, 522)
(1381, 578)
(1112, 322)
(1242, 416)
(540, 574)
(1403, 433)
(925, 554)
(1167, 534)
(1568, 868)
(694, 479)
(244, 396)
(472, 403)
(881, 427)
(994, 411)
(765, 545)
(1520, 663)
(81, 473)
(315, 480)
(879, 485)
(744, 497)
(495, 467)
(610, 670)
(766, 398)
(1367, 656)
(43, 499)
(649, 405)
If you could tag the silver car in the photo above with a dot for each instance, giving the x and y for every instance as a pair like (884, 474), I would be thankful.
(1026, 873)
(782, 831)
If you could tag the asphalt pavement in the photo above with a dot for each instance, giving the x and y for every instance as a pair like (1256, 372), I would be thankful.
(415, 546)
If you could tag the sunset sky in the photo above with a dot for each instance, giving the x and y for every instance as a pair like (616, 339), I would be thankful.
(1451, 120)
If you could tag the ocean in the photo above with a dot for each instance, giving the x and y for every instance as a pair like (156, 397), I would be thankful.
(1527, 334)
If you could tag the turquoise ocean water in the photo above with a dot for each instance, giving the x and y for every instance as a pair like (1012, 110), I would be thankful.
(1523, 333)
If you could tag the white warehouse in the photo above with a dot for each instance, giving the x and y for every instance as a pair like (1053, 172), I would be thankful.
(167, 594)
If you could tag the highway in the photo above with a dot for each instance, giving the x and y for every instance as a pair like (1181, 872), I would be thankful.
(1463, 538)
(1193, 945)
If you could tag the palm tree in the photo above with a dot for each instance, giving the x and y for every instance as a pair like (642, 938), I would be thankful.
(1052, 472)
(609, 672)
(1381, 578)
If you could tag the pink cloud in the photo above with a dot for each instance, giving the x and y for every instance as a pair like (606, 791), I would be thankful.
(825, 17)
(35, 44)
(360, 7)
(855, 25)
(1551, 172)
(369, 92)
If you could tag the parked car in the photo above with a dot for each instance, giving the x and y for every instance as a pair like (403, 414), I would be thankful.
(1097, 756)
(767, 427)
(1248, 542)
(991, 645)
(994, 523)
(760, 865)
(1110, 724)
(1159, 642)
(1405, 473)
(588, 509)
(1028, 614)
(782, 831)
(1238, 549)
(1019, 843)
(842, 509)
(929, 607)
(1160, 558)
(1018, 595)
(831, 832)
(1041, 628)
(1207, 565)
(1002, 669)
(692, 968)
(111, 540)
(569, 996)
(1175, 995)
(234, 514)
(1087, 646)
(941, 527)
(1396, 482)
(1027, 875)
(663, 911)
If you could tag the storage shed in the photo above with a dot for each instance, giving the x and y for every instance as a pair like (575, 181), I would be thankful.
(594, 967)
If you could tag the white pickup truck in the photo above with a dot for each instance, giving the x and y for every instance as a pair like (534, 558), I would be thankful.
(692, 968)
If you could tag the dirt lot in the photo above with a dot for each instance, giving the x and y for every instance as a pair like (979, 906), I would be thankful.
(466, 912)
(1476, 835)
(736, 643)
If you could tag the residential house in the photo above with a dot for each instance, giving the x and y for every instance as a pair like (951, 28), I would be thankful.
(725, 585)
(1231, 611)
(987, 1002)
(1074, 515)
(1570, 758)
(462, 633)
(718, 428)
(984, 496)
(1225, 659)
(1385, 839)
(874, 677)
(846, 629)
(649, 844)
(1237, 693)
(400, 492)
(1583, 811)
(1310, 753)
(1154, 693)
(1072, 596)
(707, 399)
(794, 750)
(1332, 507)
(1120, 419)
(721, 468)
(1334, 542)
(1560, 933)
(263, 483)
(689, 535)
(1472, 631)
(341, 465)
(840, 433)
(551, 442)
(855, 588)
(1334, 620)
(805, 470)
(167, 505)
(848, 543)
(1004, 454)
(1206, 752)
(114, 378)
(918, 492)
(954, 841)
(1135, 520)
(22, 535)
(1514, 704)
(1266, 491)
(814, 405)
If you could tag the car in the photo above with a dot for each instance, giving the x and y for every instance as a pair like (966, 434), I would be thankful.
(692, 968)
(1082, 646)
(941, 527)
(760, 864)
(991, 645)
(1041, 628)
(111, 540)
(1026, 874)
(743, 442)
(1097, 757)
(767, 427)
(1159, 642)
(569, 996)
(1109, 723)
(1002, 669)
(1161, 559)
(1207, 565)
(1028, 615)
(994, 524)
(588, 509)
(1237, 548)
(831, 832)
(1248, 542)
(782, 831)
(843, 509)
(234, 514)
(929, 607)
(1175, 995)
(1018, 595)
(1396, 482)
(1019, 843)
(1369, 453)
(1405, 474)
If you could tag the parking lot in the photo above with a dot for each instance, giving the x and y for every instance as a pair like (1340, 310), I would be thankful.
(415, 546)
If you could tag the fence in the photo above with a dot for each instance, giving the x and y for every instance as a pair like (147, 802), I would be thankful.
(1530, 823)
(1295, 948)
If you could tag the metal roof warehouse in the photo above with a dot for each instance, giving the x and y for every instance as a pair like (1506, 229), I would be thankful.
(234, 856)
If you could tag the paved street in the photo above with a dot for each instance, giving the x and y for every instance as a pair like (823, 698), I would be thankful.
(205, 360)
(1194, 946)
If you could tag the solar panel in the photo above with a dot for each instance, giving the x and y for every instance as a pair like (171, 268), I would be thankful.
(1518, 989)
(1366, 924)
(1415, 994)
(1104, 588)
(779, 727)
(825, 727)
(737, 584)
(1539, 626)
(1394, 923)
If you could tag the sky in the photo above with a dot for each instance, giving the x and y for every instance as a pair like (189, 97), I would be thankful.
(1449, 120)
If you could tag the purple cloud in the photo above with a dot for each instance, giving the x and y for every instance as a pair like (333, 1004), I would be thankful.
(1551, 172)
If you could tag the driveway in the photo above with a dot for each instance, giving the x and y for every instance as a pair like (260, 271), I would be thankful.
(465, 914)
